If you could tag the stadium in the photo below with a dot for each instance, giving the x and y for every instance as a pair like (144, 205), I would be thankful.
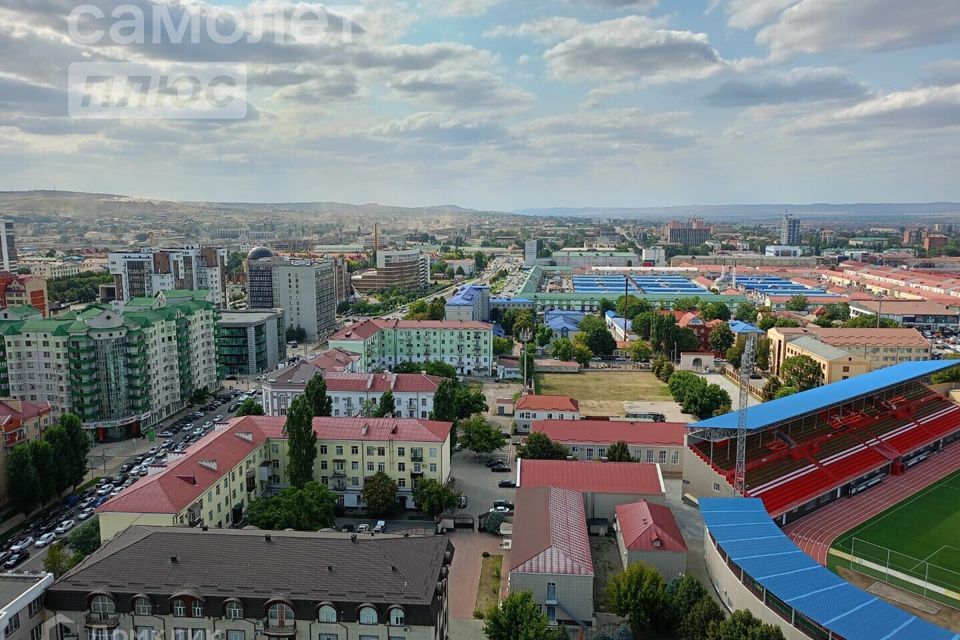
(860, 474)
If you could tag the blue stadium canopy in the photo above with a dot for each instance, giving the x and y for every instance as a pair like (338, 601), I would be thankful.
(750, 538)
(768, 413)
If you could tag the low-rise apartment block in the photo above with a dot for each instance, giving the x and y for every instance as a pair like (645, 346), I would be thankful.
(652, 442)
(18, 290)
(48, 268)
(352, 392)
(182, 583)
(22, 422)
(530, 409)
(22, 612)
(382, 343)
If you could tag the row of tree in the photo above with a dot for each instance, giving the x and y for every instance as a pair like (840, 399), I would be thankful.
(43, 469)
(696, 396)
(423, 310)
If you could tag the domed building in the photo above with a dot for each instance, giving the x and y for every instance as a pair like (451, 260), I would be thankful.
(259, 253)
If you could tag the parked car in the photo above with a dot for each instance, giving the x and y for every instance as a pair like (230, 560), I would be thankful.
(22, 544)
(16, 559)
(152, 451)
(380, 527)
(125, 467)
(165, 434)
(500, 468)
(85, 514)
(507, 484)
(499, 510)
(105, 490)
(492, 462)
(44, 540)
(503, 503)
(462, 502)
(198, 431)
(64, 526)
(100, 501)
(218, 418)
(347, 527)
(363, 528)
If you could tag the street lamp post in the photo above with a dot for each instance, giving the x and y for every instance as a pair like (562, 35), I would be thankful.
(525, 336)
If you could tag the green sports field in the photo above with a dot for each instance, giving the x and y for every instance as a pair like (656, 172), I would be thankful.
(919, 536)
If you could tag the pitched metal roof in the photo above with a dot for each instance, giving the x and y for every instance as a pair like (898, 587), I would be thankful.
(649, 527)
(750, 538)
(633, 478)
(550, 533)
(548, 403)
(610, 431)
(769, 413)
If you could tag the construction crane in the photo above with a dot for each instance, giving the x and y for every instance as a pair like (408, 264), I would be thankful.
(746, 369)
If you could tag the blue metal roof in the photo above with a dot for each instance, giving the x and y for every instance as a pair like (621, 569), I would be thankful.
(769, 413)
(746, 533)
(466, 296)
(739, 326)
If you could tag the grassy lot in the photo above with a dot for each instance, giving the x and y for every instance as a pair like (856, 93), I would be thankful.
(615, 385)
(488, 594)
(920, 532)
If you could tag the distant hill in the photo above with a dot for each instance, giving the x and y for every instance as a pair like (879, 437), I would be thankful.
(745, 212)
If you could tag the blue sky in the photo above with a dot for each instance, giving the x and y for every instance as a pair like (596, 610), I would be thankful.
(504, 104)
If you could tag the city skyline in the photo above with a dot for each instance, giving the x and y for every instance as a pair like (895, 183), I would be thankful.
(505, 105)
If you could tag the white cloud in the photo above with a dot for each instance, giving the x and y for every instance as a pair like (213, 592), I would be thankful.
(460, 8)
(548, 29)
(814, 26)
(920, 109)
(797, 85)
(748, 14)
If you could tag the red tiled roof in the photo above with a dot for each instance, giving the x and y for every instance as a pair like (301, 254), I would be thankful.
(22, 409)
(185, 479)
(547, 403)
(643, 525)
(593, 477)
(550, 533)
(334, 360)
(365, 329)
(381, 429)
(610, 431)
(380, 382)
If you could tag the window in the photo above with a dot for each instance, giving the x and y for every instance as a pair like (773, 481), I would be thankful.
(381, 466)
(179, 608)
(35, 606)
(369, 451)
(354, 450)
(589, 453)
(368, 615)
(180, 634)
(236, 634)
(326, 613)
(396, 617)
(99, 634)
(662, 457)
(381, 451)
(233, 610)
(369, 466)
(198, 634)
(13, 624)
(142, 607)
(401, 466)
(339, 450)
(433, 467)
(716, 487)
(401, 451)
(197, 605)
(280, 615)
(328, 636)
(551, 592)
(433, 452)
(649, 455)
(102, 605)
(323, 449)
(675, 457)
(144, 633)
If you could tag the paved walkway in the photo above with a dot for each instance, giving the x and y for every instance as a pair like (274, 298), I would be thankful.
(815, 533)
(467, 558)
(730, 387)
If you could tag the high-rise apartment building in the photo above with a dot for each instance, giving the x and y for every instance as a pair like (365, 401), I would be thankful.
(119, 371)
(251, 341)
(530, 249)
(407, 269)
(147, 272)
(8, 247)
(790, 230)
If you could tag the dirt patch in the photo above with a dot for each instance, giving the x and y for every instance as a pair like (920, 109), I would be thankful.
(606, 563)
(947, 617)
(488, 593)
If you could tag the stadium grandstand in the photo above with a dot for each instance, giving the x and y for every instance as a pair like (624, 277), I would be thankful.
(811, 448)
(754, 566)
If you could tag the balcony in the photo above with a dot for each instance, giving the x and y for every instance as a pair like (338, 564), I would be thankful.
(279, 628)
(109, 620)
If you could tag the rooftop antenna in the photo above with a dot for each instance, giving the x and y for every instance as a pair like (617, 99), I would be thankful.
(746, 368)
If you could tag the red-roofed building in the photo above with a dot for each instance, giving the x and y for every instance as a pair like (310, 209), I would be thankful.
(412, 392)
(659, 442)
(382, 343)
(551, 553)
(335, 360)
(604, 484)
(531, 408)
(650, 534)
(21, 289)
(22, 422)
(700, 327)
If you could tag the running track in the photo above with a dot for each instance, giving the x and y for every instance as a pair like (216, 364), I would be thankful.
(815, 533)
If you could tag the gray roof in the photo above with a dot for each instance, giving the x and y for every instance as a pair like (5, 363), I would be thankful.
(246, 318)
(300, 373)
(821, 349)
(13, 585)
(302, 565)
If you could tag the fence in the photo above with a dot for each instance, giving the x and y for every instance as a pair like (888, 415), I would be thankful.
(920, 576)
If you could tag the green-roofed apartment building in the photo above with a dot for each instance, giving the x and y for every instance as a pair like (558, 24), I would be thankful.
(120, 371)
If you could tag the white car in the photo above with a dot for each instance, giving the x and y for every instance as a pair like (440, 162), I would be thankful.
(500, 509)
(149, 461)
(22, 545)
(85, 514)
(105, 490)
(45, 539)
(116, 491)
(363, 528)
(64, 526)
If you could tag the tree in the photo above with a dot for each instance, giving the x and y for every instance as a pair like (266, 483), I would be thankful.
(437, 309)
(721, 337)
(838, 311)
(639, 351)
(431, 367)
(306, 509)
(598, 339)
(85, 539)
(58, 561)
(639, 594)
(301, 442)
(741, 625)
(642, 323)
(199, 395)
(42, 455)
(705, 614)
(562, 349)
(502, 346)
(540, 447)
(434, 498)
(715, 311)
(386, 407)
(23, 484)
(493, 522)
(518, 617)
(666, 372)
(582, 354)
(783, 392)
(619, 452)
(296, 334)
(734, 353)
(606, 305)
(870, 322)
(65, 469)
(623, 633)
(684, 592)
(319, 403)
(523, 320)
(689, 303)
(771, 388)
(418, 310)
(479, 261)
(544, 335)
(80, 444)
(478, 435)
(380, 495)
(249, 407)
(947, 375)
(797, 303)
(801, 372)
(746, 312)
(630, 306)
(762, 357)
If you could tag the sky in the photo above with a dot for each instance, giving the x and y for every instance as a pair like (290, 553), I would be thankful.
(489, 104)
